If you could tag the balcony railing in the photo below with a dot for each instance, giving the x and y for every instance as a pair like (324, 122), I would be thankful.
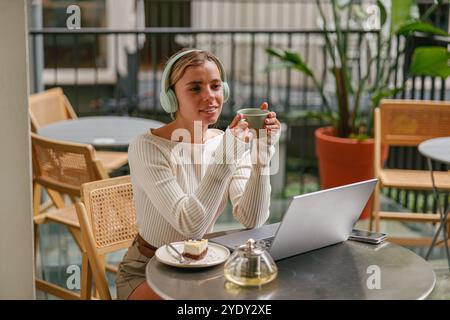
(136, 84)
(124, 80)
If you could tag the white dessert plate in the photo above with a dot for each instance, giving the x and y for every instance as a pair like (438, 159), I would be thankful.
(216, 254)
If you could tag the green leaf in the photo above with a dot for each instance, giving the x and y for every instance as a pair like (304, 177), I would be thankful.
(303, 68)
(385, 93)
(431, 61)
(411, 26)
(292, 56)
(400, 12)
(383, 14)
(278, 66)
(291, 59)
(359, 137)
(275, 52)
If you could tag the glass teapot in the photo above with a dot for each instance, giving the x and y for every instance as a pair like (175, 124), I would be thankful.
(250, 265)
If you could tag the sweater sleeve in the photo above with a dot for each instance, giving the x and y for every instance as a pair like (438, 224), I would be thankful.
(189, 214)
(250, 188)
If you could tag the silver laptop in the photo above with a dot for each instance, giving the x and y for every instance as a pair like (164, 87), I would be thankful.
(312, 221)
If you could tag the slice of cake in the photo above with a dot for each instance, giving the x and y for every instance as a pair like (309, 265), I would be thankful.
(195, 249)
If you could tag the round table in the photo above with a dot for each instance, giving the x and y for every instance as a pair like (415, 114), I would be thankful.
(349, 270)
(101, 131)
(437, 149)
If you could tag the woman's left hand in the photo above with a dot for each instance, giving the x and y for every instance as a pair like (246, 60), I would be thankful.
(272, 125)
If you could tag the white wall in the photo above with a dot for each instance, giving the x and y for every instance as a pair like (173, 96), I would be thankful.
(16, 229)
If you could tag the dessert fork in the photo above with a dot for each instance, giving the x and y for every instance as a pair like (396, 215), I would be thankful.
(179, 256)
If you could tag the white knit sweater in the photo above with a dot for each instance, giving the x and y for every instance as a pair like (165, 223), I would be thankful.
(180, 189)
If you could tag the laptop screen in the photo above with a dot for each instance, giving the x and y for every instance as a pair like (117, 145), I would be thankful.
(312, 221)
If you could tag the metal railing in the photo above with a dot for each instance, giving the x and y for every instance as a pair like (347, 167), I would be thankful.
(242, 53)
(103, 88)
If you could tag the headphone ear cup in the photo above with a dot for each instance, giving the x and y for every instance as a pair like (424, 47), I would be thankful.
(169, 101)
(226, 91)
(172, 100)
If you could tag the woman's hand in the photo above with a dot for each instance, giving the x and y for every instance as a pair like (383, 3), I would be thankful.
(239, 128)
(272, 125)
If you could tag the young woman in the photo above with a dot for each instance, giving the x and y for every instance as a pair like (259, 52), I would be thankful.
(184, 173)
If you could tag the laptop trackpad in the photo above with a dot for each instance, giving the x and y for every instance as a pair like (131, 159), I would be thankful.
(233, 240)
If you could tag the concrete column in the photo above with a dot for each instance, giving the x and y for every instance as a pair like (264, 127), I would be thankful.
(16, 228)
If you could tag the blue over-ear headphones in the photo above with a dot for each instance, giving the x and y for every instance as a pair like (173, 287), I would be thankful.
(167, 96)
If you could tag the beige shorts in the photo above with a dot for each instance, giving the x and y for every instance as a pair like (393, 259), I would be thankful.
(131, 272)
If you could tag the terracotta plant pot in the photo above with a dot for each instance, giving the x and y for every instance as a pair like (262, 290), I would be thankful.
(344, 161)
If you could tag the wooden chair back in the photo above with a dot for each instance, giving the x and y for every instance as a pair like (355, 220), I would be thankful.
(409, 122)
(48, 107)
(107, 218)
(64, 166)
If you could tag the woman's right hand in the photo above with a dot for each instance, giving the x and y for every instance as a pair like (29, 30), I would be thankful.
(239, 128)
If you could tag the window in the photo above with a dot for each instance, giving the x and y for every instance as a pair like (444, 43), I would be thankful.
(68, 51)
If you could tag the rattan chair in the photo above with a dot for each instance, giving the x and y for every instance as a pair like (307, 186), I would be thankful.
(61, 168)
(52, 106)
(108, 223)
(408, 123)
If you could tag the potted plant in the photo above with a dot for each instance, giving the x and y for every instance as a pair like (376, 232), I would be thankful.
(345, 148)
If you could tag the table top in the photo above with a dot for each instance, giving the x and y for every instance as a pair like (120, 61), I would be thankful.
(342, 271)
(101, 131)
(437, 149)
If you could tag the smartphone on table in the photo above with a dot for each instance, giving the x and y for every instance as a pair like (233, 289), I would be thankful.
(367, 236)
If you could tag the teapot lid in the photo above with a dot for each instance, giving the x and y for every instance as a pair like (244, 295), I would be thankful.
(251, 247)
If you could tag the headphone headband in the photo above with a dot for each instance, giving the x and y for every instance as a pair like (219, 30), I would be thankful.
(168, 68)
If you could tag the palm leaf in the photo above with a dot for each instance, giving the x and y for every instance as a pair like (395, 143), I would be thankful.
(431, 61)
(416, 26)
(291, 59)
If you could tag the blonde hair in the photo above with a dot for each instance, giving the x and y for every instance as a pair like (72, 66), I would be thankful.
(195, 58)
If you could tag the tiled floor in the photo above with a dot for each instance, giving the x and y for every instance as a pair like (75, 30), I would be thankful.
(58, 251)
